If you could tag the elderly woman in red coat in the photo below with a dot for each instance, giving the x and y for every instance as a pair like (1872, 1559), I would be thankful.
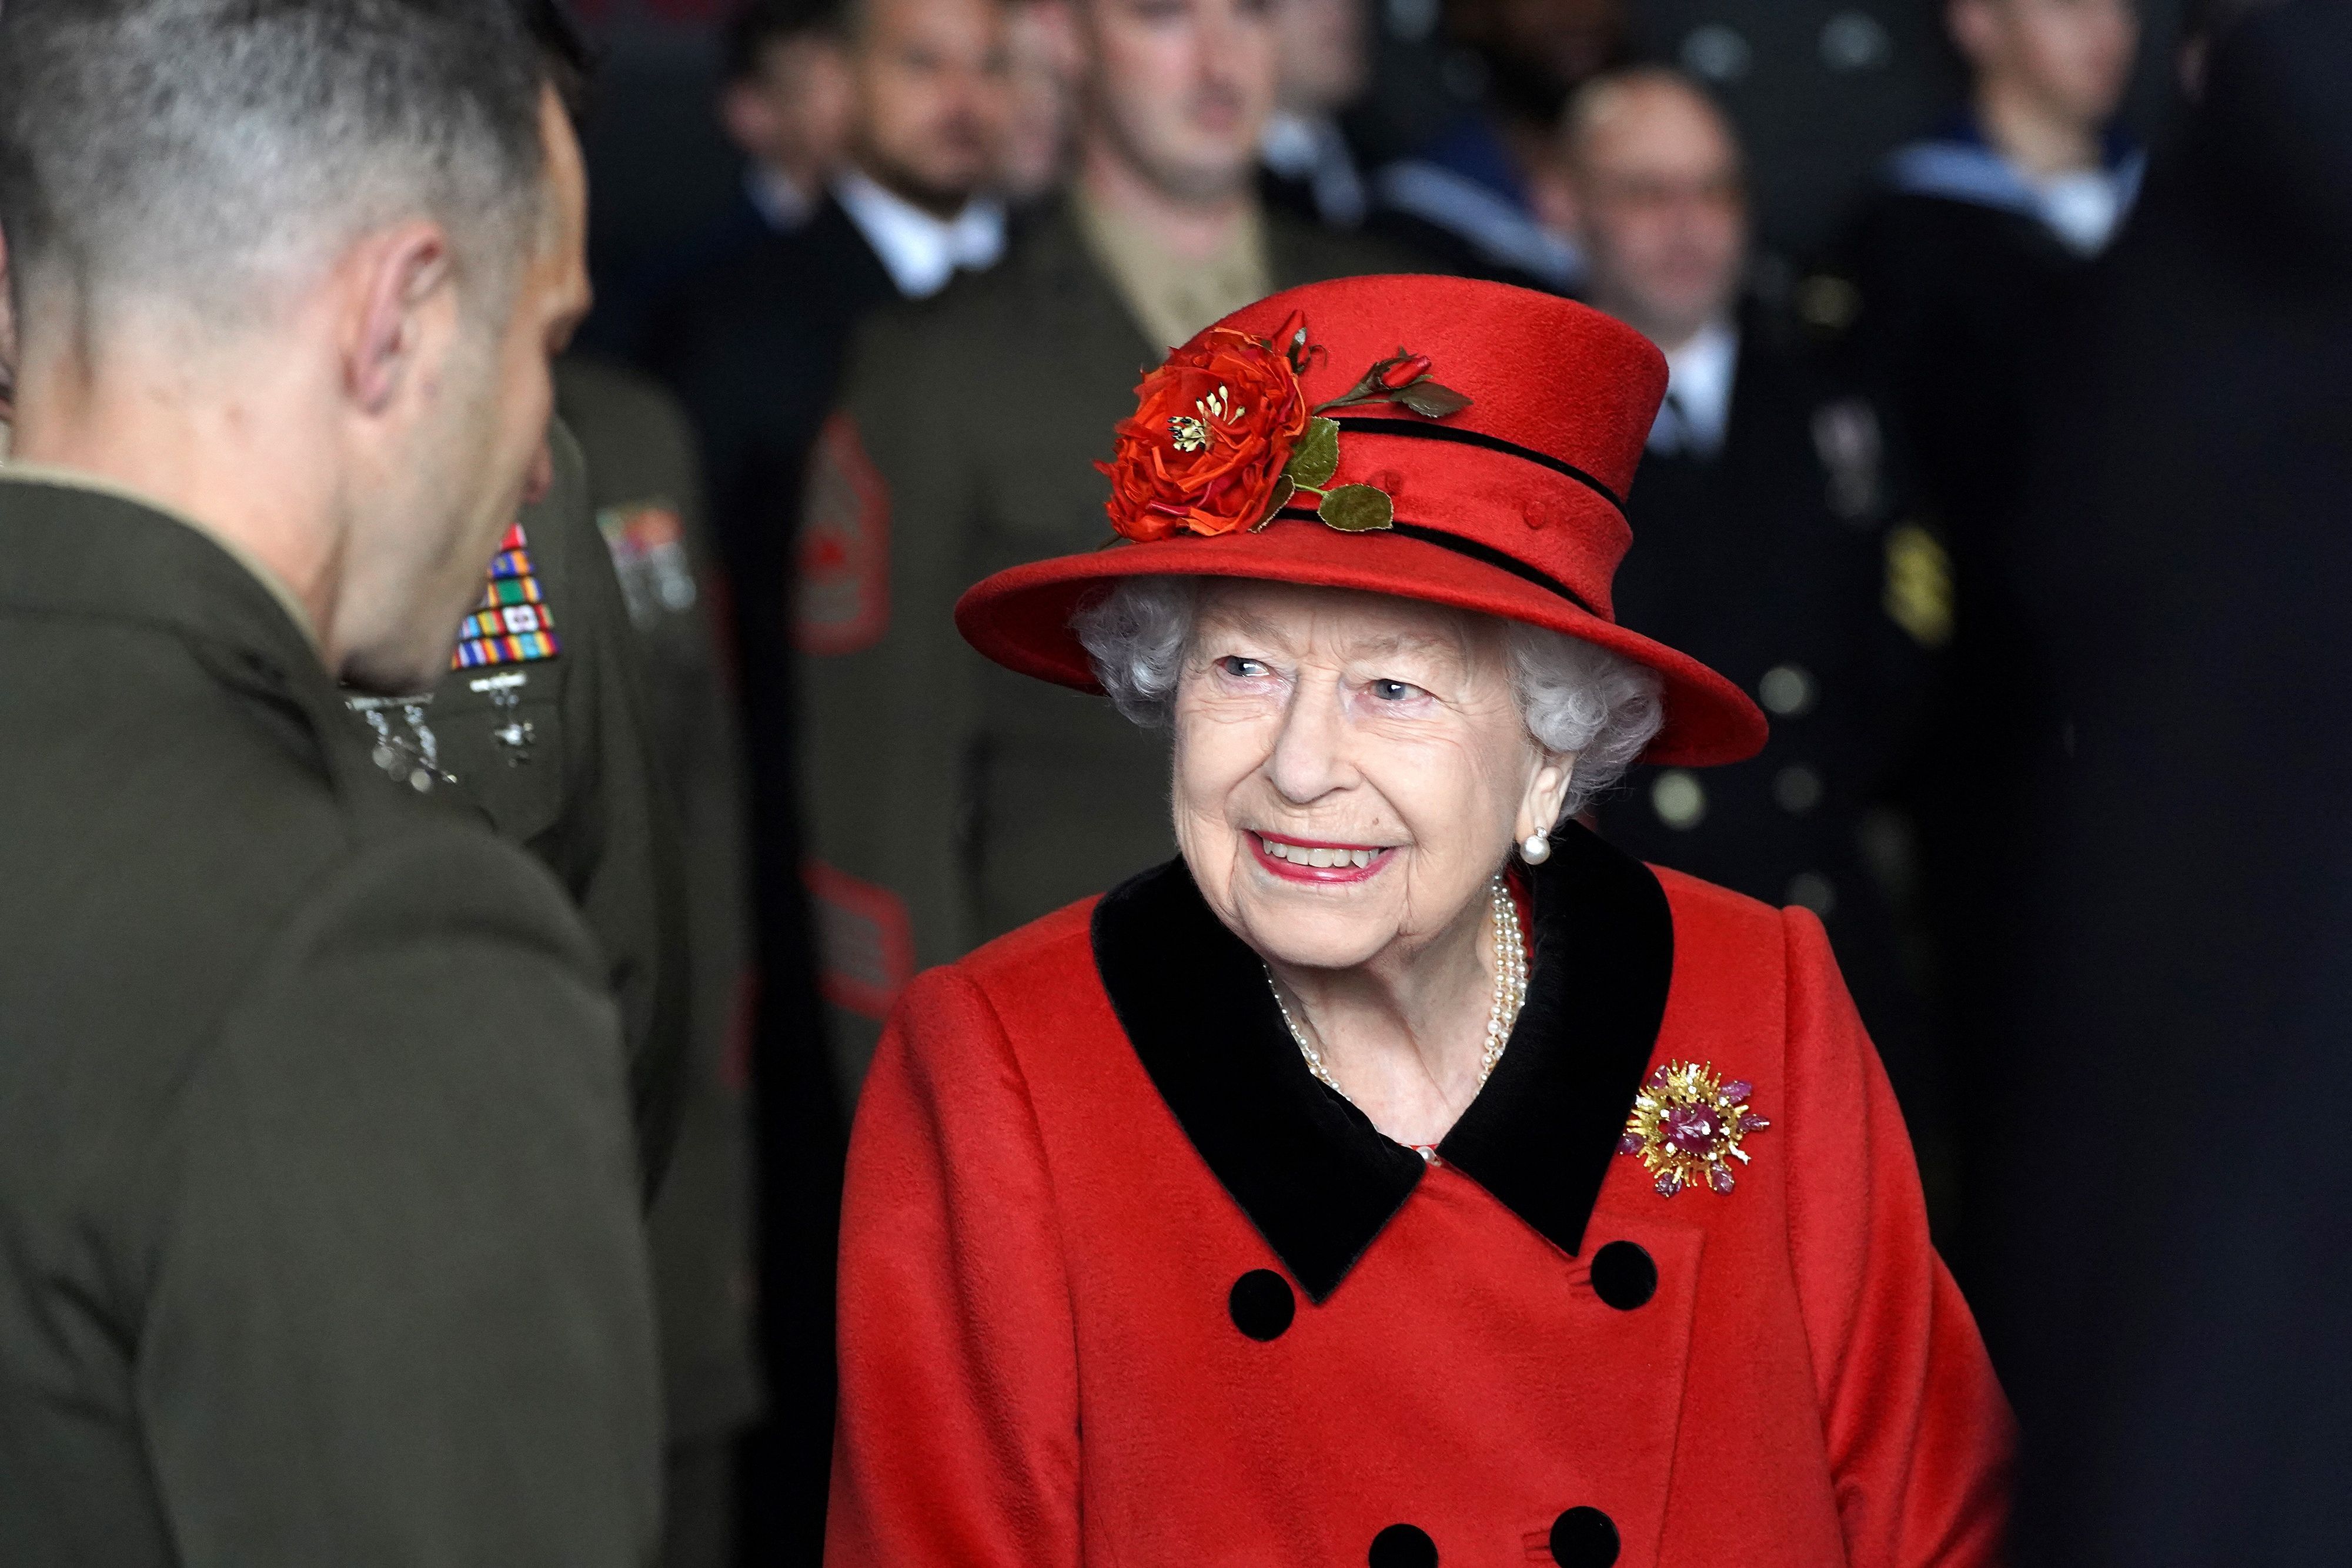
(1400, 1176)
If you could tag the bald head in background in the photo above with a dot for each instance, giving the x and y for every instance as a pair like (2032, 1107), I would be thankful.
(1661, 201)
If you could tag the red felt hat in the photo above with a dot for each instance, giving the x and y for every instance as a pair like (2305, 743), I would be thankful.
(1486, 437)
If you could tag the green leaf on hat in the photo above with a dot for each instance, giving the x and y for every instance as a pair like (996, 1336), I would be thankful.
(1356, 509)
(1431, 400)
(1284, 489)
(1317, 456)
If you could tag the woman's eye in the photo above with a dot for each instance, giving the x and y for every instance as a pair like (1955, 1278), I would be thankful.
(1395, 691)
(1241, 669)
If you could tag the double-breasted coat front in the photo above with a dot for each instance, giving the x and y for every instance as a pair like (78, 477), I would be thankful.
(1124, 1284)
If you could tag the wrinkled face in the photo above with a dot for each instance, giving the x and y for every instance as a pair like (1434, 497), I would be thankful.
(1660, 208)
(2075, 55)
(1350, 769)
(1180, 88)
(933, 93)
(430, 520)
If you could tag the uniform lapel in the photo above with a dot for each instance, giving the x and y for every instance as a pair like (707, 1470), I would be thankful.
(1314, 1176)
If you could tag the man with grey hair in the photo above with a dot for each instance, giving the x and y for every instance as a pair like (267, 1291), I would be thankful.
(1767, 541)
(319, 1234)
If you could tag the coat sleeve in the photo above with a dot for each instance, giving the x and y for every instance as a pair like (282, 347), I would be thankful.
(1918, 1432)
(958, 1439)
(397, 1310)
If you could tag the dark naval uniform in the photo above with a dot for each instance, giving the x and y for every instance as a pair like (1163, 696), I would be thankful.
(646, 497)
(1781, 560)
(319, 1212)
(542, 723)
(949, 800)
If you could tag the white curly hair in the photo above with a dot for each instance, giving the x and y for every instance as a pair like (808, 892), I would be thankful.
(1576, 698)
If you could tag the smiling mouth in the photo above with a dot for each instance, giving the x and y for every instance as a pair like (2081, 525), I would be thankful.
(1319, 863)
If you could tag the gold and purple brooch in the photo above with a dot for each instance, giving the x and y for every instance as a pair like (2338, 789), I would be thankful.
(1687, 1124)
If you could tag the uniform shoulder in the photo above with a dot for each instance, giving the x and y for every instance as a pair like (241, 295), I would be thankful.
(166, 838)
(598, 398)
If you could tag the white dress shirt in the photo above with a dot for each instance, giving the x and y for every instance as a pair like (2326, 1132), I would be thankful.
(921, 251)
(1697, 409)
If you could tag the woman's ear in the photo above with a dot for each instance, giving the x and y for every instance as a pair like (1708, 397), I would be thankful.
(1546, 793)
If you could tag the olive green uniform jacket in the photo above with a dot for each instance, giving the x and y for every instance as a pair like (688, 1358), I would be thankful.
(319, 1211)
(645, 495)
(546, 728)
(950, 800)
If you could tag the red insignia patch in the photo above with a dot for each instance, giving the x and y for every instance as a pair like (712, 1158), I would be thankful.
(841, 588)
(866, 943)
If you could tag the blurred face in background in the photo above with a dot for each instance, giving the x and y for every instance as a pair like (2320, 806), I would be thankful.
(1324, 54)
(1043, 45)
(791, 114)
(1179, 91)
(2071, 59)
(933, 97)
(1660, 209)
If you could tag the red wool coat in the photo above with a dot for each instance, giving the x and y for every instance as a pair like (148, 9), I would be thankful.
(1122, 1284)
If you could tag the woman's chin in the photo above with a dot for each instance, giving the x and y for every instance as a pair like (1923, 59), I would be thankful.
(1313, 939)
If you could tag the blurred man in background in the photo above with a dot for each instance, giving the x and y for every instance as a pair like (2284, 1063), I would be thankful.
(969, 428)
(1980, 245)
(629, 496)
(1469, 200)
(316, 1107)
(786, 101)
(2172, 1297)
(1760, 524)
(754, 348)
(1981, 233)
(754, 352)
(1323, 53)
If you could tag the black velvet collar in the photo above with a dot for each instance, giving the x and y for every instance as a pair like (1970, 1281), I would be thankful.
(1308, 1167)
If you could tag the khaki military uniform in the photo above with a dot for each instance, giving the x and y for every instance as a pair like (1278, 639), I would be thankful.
(319, 1214)
(647, 499)
(950, 800)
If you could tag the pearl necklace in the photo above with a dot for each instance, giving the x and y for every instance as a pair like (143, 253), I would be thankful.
(1510, 996)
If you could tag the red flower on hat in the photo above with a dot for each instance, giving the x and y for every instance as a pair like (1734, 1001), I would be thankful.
(1213, 429)
(1222, 438)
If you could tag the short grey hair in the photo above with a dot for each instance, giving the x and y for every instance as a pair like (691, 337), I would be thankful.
(190, 149)
(1575, 697)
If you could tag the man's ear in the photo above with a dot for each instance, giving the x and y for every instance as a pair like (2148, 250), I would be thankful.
(394, 285)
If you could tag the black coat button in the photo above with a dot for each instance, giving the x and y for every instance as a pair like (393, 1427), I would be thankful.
(1402, 1546)
(1624, 1276)
(1262, 1304)
(1584, 1537)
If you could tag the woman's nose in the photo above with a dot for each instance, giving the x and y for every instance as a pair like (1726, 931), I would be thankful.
(1309, 760)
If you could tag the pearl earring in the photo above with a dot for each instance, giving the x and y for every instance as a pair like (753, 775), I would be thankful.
(1536, 849)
